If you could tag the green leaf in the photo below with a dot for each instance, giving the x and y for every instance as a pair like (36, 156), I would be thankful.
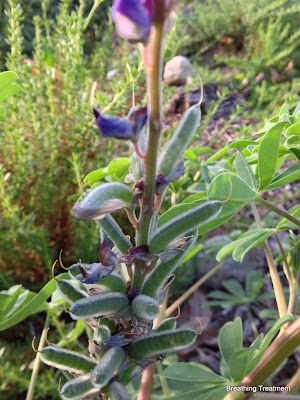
(230, 339)
(239, 363)
(73, 335)
(192, 372)
(194, 197)
(95, 176)
(268, 155)
(240, 143)
(197, 187)
(293, 140)
(5, 299)
(234, 287)
(244, 171)
(9, 91)
(177, 210)
(228, 186)
(285, 224)
(293, 130)
(9, 306)
(289, 175)
(218, 294)
(191, 155)
(229, 210)
(35, 304)
(119, 166)
(274, 330)
(195, 250)
(254, 282)
(245, 243)
(7, 78)
(284, 109)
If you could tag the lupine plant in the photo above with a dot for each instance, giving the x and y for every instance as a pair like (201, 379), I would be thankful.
(118, 298)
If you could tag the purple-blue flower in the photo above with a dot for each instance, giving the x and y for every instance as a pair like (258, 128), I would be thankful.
(121, 128)
(133, 19)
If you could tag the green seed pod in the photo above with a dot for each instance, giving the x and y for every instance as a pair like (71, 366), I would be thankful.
(166, 325)
(103, 200)
(100, 334)
(66, 360)
(109, 364)
(176, 146)
(114, 232)
(71, 291)
(112, 283)
(182, 224)
(145, 307)
(157, 278)
(100, 305)
(109, 323)
(161, 342)
(116, 391)
(79, 388)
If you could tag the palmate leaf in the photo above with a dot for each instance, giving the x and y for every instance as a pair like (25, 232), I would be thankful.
(230, 339)
(244, 171)
(228, 186)
(245, 243)
(285, 224)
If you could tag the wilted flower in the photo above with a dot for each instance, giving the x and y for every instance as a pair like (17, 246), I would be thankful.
(133, 19)
(121, 128)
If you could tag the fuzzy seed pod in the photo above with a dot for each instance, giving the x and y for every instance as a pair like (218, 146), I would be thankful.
(66, 360)
(109, 364)
(145, 307)
(71, 291)
(166, 325)
(116, 391)
(79, 388)
(100, 305)
(161, 342)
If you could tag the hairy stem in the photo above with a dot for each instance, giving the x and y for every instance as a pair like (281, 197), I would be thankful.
(279, 211)
(280, 300)
(154, 72)
(37, 361)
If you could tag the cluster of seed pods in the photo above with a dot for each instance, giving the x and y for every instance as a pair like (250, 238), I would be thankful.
(123, 341)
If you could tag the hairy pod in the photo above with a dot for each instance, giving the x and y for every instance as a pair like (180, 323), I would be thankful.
(102, 200)
(109, 364)
(157, 278)
(100, 334)
(117, 391)
(182, 224)
(114, 232)
(99, 305)
(145, 307)
(176, 146)
(166, 325)
(161, 342)
(109, 323)
(71, 291)
(79, 388)
(66, 360)
(112, 283)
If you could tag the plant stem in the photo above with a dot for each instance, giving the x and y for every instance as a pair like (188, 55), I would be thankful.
(154, 73)
(281, 348)
(279, 211)
(294, 382)
(280, 300)
(91, 13)
(37, 361)
(191, 290)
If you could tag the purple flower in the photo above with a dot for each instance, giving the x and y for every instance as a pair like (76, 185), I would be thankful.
(121, 128)
(133, 19)
(94, 273)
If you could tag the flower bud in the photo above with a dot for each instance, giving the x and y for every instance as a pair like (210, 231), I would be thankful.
(133, 19)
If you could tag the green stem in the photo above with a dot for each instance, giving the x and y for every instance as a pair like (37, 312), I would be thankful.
(281, 348)
(91, 13)
(154, 52)
(280, 300)
(37, 361)
(279, 211)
